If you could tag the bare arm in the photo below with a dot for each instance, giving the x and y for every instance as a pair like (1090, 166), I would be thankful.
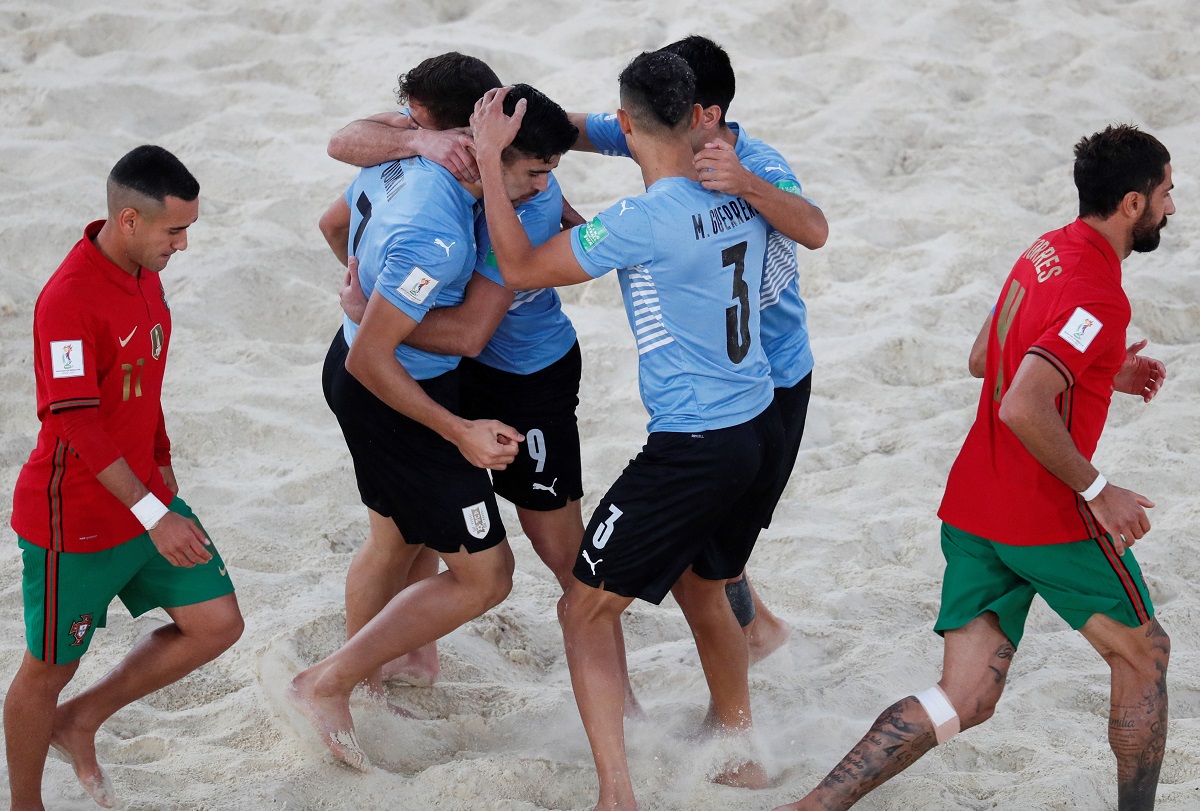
(790, 214)
(582, 143)
(335, 227)
(977, 360)
(176, 538)
(372, 360)
(523, 266)
(570, 217)
(465, 329)
(1028, 408)
(392, 136)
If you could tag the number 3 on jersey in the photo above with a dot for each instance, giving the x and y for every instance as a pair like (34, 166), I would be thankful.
(737, 316)
(605, 530)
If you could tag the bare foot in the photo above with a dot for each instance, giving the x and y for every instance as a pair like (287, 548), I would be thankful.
(633, 707)
(749, 774)
(419, 668)
(78, 748)
(765, 635)
(330, 717)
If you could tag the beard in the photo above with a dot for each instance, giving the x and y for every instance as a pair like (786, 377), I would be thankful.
(1147, 233)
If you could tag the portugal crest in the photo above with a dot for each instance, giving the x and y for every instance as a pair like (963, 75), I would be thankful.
(80, 628)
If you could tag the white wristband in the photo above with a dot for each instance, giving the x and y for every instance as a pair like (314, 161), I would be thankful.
(149, 511)
(1095, 488)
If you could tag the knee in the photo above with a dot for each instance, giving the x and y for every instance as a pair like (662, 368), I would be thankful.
(973, 707)
(1147, 663)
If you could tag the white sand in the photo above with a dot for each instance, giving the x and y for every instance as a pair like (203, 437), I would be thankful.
(937, 138)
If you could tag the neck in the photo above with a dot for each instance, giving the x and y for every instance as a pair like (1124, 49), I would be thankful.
(110, 243)
(1115, 230)
(669, 156)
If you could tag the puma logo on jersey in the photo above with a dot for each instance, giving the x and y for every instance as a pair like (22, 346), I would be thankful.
(592, 563)
(624, 207)
(769, 168)
(548, 487)
(127, 338)
(444, 246)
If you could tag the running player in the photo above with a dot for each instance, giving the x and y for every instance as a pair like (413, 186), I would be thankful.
(96, 508)
(1055, 354)
(419, 466)
(689, 507)
(731, 161)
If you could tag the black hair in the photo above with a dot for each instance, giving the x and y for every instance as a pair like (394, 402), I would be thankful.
(715, 83)
(1114, 162)
(546, 131)
(657, 89)
(155, 173)
(447, 86)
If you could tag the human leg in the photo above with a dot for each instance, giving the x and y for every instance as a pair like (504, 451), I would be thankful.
(975, 667)
(197, 634)
(589, 617)
(765, 632)
(28, 723)
(427, 610)
(1137, 720)
(725, 658)
(420, 667)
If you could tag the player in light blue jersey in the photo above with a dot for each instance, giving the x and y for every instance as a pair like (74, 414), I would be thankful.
(524, 370)
(689, 507)
(420, 467)
(729, 160)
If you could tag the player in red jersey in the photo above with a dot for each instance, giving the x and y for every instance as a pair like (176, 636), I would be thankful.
(1025, 512)
(91, 504)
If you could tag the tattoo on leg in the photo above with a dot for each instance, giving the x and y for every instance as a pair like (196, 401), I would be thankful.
(901, 735)
(1005, 653)
(1137, 732)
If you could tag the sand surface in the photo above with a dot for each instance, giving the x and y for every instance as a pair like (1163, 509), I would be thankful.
(936, 136)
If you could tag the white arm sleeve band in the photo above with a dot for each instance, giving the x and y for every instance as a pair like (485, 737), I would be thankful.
(941, 713)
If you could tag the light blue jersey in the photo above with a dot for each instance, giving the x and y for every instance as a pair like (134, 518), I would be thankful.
(784, 315)
(690, 271)
(535, 332)
(412, 229)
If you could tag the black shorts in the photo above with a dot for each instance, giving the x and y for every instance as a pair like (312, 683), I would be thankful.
(407, 472)
(687, 500)
(547, 473)
(792, 403)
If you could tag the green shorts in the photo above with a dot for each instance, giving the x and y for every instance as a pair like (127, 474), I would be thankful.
(67, 594)
(1076, 579)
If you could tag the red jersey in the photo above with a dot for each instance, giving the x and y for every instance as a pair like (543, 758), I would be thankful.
(1062, 302)
(100, 338)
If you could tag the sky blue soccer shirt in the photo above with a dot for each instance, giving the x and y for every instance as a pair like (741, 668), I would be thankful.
(535, 332)
(784, 314)
(689, 262)
(412, 230)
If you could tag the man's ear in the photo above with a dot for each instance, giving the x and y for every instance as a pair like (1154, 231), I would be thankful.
(710, 117)
(1133, 204)
(624, 122)
(127, 220)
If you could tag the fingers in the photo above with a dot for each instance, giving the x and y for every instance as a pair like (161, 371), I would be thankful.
(1133, 349)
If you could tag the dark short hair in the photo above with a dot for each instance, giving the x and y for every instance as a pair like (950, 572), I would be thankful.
(715, 83)
(658, 88)
(154, 172)
(447, 86)
(1114, 162)
(546, 130)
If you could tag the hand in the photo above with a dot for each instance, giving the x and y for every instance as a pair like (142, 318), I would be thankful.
(354, 300)
(720, 170)
(169, 477)
(180, 541)
(494, 129)
(1121, 512)
(1138, 375)
(489, 443)
(449, 148)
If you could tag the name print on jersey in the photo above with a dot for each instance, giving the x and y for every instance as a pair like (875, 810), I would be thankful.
(1045, 260)
(723, 218)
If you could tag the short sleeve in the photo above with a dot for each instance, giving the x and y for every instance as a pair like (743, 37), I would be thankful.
(604, 131)
(1089, 323)
(66, 347)
(416, 269)
(619, 237)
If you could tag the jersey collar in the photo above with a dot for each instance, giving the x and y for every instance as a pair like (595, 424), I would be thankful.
(127, 282)
(1081, 230)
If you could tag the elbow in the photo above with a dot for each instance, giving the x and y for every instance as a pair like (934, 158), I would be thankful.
(357, 365)
(818, 236)
(1013, 413)
(976, 365)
